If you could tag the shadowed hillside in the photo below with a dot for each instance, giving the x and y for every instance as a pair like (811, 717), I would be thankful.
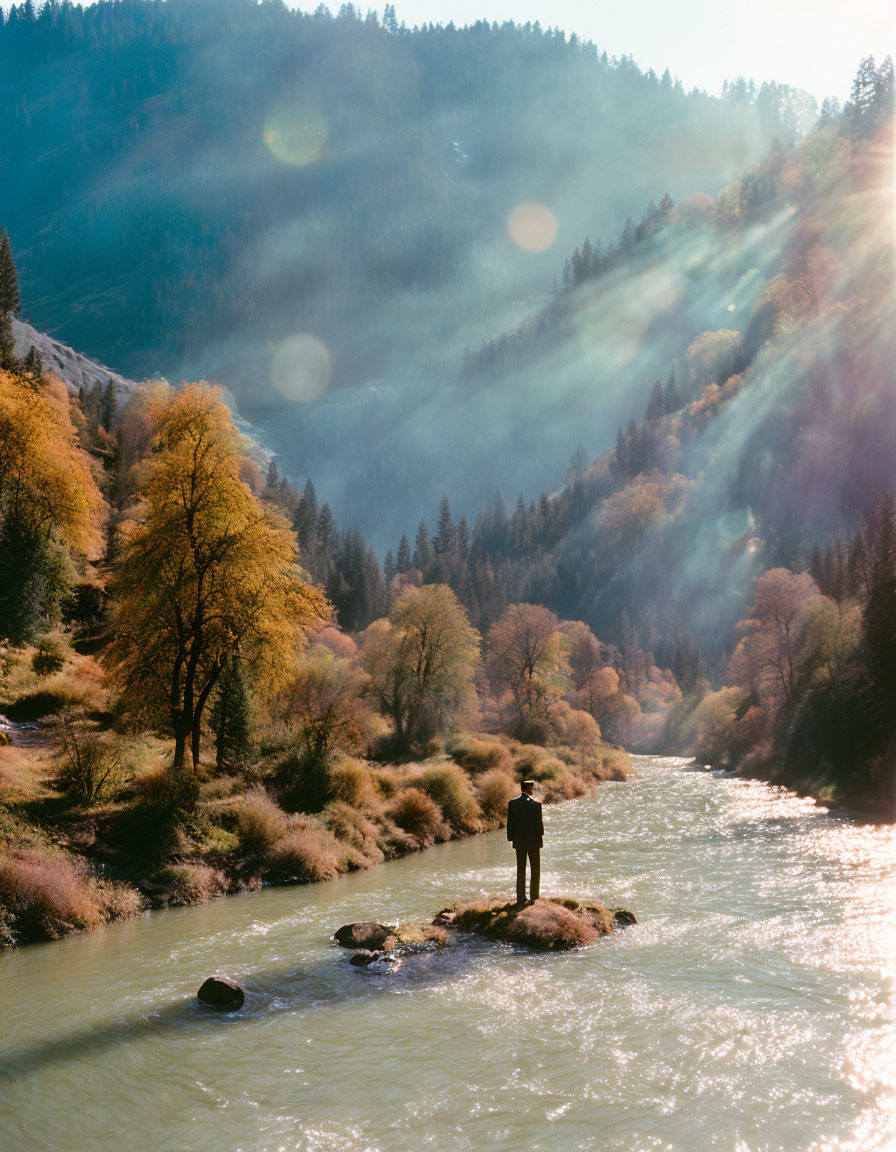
(314, 212)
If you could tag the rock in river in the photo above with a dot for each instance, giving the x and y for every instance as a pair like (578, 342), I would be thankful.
(221, 992)
(367, 935)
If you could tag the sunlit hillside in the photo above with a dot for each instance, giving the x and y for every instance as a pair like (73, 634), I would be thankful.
(756, 332)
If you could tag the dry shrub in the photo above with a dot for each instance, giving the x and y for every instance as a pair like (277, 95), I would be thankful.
(547, 768)
(165, 791)
(527, 759)
(395, 841)
(479, 755)
(356, 830)
(307, 852)
(574, 728)
(389, 781)
(418, 815)
(449, 786)
(190, 883)
(615, 765)
(18, 770)
(548, 926)
(120, 901)
(79, 684)
(221, 787)
(495, 789)
(260, 823)
(90, 765)
(534, 730)
(352, 783)
(45, 895)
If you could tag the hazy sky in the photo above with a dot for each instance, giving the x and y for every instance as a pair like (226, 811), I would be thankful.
(811, 44)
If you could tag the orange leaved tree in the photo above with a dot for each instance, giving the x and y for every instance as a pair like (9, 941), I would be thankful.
(205, 574)
(50, 506)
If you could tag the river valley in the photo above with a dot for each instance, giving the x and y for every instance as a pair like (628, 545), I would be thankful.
(752, 1009)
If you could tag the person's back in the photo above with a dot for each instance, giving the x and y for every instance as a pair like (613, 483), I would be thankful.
(525, 830)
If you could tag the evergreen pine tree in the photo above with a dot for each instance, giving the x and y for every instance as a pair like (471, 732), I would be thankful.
(463, 539)
(404, 562)
(230, 718)
(7, 341)
(446, 536)
(390, 568)
(310, 497)
(655, 405)
(423, 553)
(10, 301)
(33, 364)
(327, 542)
(671, 399)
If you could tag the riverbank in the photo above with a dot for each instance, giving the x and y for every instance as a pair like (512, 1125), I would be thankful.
(165, 840)
(873, 803)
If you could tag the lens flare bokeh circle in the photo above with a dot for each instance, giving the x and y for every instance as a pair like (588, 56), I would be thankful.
(532, 226)
(301, 368)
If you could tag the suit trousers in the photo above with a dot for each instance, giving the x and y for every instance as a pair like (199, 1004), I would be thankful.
(534, 855)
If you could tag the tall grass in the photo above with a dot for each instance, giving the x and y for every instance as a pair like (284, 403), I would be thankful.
(46, 894)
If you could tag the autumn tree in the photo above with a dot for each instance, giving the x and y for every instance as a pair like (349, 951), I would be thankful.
(323, 702)
(421, 662)
(765, 661)
(525, 657)
(205, 575)
(50, 506)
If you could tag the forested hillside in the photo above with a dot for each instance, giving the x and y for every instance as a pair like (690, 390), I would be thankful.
(758, 326)
(314, 212)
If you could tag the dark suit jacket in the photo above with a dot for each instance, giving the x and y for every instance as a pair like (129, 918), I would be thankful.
(524, 826)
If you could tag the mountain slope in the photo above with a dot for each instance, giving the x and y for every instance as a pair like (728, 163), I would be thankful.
(315, 212)
(767, 319)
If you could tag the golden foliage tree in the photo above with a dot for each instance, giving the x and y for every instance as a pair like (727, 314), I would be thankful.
(421, 661)
(205, 574)
(50, 506)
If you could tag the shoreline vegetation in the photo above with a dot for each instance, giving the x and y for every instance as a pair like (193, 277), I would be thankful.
(184, 717)
(67, 867)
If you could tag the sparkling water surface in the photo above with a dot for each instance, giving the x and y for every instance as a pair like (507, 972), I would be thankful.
(752, 1008)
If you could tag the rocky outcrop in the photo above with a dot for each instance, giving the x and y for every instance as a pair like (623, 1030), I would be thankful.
(73, 369)
(379, 948)
(551, 925)
(221, 992)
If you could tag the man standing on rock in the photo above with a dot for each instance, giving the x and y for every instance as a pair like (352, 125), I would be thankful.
(525, 831)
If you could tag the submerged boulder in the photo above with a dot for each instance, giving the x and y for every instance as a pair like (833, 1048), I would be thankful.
(367, 935)
(375, 961)
(221, 992)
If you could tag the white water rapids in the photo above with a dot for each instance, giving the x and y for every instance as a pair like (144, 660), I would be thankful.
(752, 1009)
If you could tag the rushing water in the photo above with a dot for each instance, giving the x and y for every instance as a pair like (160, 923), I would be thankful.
(751, 1009)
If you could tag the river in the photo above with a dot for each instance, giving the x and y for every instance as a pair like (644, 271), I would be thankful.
(752, 1008)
